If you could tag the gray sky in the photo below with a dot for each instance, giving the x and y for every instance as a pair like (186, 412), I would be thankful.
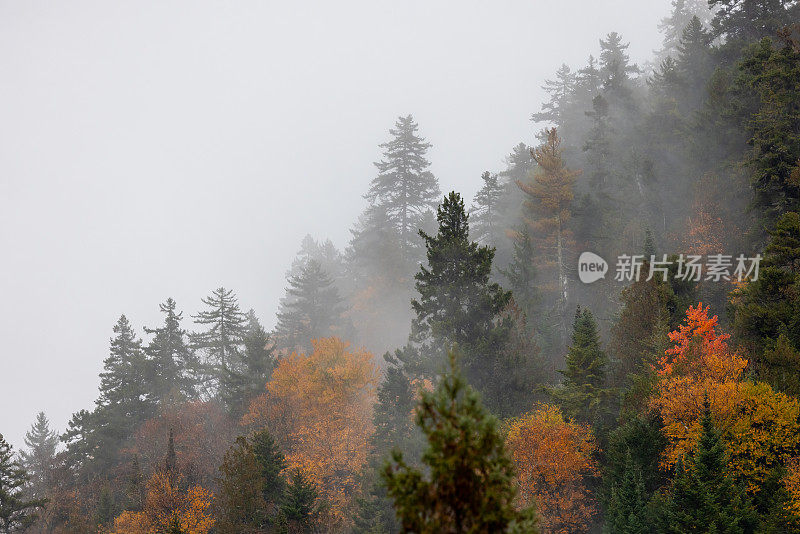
(156, 149)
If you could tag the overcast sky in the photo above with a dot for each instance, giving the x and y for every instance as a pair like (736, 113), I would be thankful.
(157, 149)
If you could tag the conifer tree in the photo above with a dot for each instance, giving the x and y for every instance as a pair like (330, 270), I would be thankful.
(299, 502)
(248, 374)
(124, 402)
(560, 90)
(521, 274)
(549, 196)
(694, 61)
(312, 309)
(584, 395)
(457, 303)
(673, 26)
(745, 21)
(616, 69)
(169, 357)
(704, 496)
(241, 504)
(467, 485)
(38, 459)
(404, 187)
(221, 343)
(16, 512)
(486, 211)
(627, 509)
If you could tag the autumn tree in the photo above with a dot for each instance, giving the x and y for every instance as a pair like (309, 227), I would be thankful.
(549, 195)
(553, 458)
(468, 483)
(319, 407)
(16, 511)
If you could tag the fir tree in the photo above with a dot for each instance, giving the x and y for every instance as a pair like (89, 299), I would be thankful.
(248, 375)
(704, 496)
(615, 70)
(16, 512)
(169, 356)
(584, 395)
(271, 464)
(38, 460)
(241, 504)
(560, 90)
(221, 343)
(744, 21)
(627, 508)
(521, 274)
(673, 26)
(404, 187)
(468, 482)
(312, 309)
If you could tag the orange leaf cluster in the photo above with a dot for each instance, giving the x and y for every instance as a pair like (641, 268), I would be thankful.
(553, 457)
(320, 405)
(165, 503)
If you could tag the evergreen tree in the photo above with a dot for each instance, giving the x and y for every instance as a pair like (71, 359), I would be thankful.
(521, 275)
(271, 464)
(744, 21)
(16, 512)
(248, 375)
(560, 90)
(221, 343)
(169, 357)
(704, 496)
(124, 402)
(627, 509)
(311, 310)
(673, 26)
(241, 504)
(615, 70)
(299, 502)
(457, 303)
(38, 460)
(694, 60)
(486, 212)
(585, 395)
(467, 485)
(404, 187)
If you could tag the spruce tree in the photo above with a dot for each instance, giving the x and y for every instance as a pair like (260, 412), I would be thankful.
(560, 90)
(404, 187)
(627, 511)
(299, 503)
(704, 496)
(240, 500)
(16, 511)
(312, 309)
(467, 485)
(673, 26)
(743, 21)
(38, 459)
(248, 374)
(271, 464)
(584, 394)
(169, 357)
(221, 343)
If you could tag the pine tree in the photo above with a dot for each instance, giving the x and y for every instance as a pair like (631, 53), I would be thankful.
(38, 460)
(241, 504)
(704, 496)
(745, 21)
(404, 187)
(615, 70)
(271, 464)
(169, 357)
(486, 212)
(694, 61)
(521, 274)
(468, 483)
(560, 91)
(584, 394)
(673, 26)
(221, 343)
(16, 512)
(457, 303)
(312, 309)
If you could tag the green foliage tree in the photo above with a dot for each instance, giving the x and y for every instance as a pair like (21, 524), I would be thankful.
(16, 512)
(299, 503)
(170, 359)
(39, 458)
(704, 496)
(249, 373)
(240, 500)
(628, 504)
(486, 212)
(467, 485)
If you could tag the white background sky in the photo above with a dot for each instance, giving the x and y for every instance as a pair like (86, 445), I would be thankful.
(155, 149)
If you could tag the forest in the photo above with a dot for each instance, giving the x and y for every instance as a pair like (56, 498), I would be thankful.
(450, 372)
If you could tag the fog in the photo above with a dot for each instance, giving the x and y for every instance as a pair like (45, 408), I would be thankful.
(162, 149)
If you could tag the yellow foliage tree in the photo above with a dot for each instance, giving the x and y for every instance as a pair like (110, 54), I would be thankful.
(759, 426)
(553, 457)
(321, 406)
(166, 503)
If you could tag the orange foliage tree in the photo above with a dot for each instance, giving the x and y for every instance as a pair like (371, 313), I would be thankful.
(553, 458)
(320, 404)
(759, 425)
(167, 505)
